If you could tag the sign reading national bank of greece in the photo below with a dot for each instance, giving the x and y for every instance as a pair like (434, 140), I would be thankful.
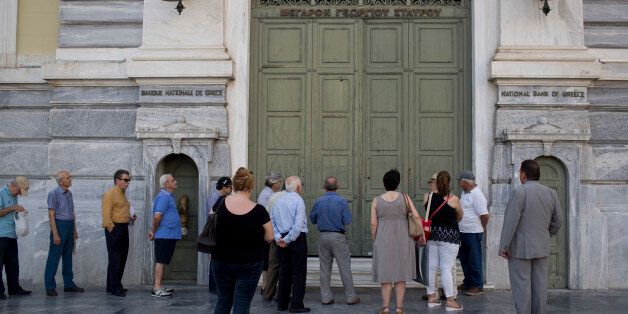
(542, 95)
(182, 94)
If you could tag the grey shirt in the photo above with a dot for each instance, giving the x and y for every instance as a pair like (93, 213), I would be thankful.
(532, 216)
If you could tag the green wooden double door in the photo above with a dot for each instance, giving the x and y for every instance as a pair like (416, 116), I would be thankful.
(353, 98)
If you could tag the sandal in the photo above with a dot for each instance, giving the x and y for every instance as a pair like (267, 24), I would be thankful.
(453, 306)
(433, 301)
(399, 310)
(384, 310)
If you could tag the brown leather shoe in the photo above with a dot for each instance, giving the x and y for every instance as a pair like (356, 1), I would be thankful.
(354, 301)
(461, 287)
(474, 291)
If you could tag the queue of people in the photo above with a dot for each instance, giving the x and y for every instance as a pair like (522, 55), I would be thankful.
(271, 236)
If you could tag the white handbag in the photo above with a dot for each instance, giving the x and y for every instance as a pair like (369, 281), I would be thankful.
(21, 223)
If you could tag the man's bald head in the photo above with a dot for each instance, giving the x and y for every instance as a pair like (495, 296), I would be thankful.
(331, 184)
(292, 183)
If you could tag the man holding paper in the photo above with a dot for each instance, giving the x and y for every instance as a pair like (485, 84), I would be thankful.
(116, 216)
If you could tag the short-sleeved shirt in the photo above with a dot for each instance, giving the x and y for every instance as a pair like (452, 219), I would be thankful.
(473, 206)
(331, 213)
(240, 238)
(264, 196)
(7, 224)
(170, 224)
(62, 203)
(211, 201)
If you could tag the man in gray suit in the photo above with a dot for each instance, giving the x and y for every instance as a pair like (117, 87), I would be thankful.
(532, 216)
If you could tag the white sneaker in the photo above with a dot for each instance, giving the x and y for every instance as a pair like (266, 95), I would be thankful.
(160, 293)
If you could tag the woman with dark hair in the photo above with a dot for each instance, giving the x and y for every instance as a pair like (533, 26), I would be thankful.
(393, 248)
(445, 213)
(242, 232)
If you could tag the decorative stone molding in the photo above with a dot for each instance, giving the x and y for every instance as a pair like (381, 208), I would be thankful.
(177, 131)
(546, 133)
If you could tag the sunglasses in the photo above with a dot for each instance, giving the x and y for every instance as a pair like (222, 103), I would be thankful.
(125, 180)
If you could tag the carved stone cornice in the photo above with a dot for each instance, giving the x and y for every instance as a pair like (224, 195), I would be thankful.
(546, 133)
(177, 131)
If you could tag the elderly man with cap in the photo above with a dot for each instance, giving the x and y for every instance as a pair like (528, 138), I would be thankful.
(8, 237)
(272, 184)
(472, 228)
(224, 187)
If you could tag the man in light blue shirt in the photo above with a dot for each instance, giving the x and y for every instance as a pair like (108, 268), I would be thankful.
(8, 238)
(290, 228)
(165, 230)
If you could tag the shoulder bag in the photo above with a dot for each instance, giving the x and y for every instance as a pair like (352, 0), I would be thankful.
(427, 222)
(206, 240)
(414, 224)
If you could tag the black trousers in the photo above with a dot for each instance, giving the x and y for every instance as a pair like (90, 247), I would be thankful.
(292, 272)
(9, 259)
(117, 251)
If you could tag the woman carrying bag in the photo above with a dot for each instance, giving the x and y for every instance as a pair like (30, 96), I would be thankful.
(241, 236)
(443, 244)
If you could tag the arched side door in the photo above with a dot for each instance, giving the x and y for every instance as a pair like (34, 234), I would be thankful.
(553, 175)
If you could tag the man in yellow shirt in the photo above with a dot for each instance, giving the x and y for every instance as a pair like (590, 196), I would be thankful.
(116, 215)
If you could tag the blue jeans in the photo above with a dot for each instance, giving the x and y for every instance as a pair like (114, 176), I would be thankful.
(471, 259)
(65, 228)
(236, 285)
(212, 280)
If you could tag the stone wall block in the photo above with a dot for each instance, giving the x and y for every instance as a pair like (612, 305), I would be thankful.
(593, 253)
(25, 98)
(24, 124)
(617, 250)
(609, 126)
(100, 158)
(601, 95)
(96, 95)
(498, 274)
(501, 168)
(100, 35)
(92, 123)
(610, 162)
(500, 194)
(221, 164)
(23, 159)
(102, 11)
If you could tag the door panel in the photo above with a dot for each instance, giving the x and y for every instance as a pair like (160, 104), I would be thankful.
(435, 44)
(354, 98)
(553, 175)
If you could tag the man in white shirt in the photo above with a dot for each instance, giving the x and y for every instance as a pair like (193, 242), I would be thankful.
(472, 228)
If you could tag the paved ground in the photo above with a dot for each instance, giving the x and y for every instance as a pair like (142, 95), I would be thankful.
(194, 299)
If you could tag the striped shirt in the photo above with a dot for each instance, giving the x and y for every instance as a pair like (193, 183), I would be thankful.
(62, 203)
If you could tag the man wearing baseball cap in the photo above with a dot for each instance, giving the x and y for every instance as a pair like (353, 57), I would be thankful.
(223, 188)
(270, 269)
(472, 228)
(8, 237)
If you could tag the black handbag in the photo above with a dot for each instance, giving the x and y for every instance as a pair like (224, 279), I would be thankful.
(206, 240)
(422, 261)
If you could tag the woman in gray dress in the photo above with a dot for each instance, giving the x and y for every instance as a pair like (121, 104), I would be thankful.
(393, 248)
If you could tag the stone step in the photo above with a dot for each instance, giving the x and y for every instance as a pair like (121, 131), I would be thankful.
(361, 268)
